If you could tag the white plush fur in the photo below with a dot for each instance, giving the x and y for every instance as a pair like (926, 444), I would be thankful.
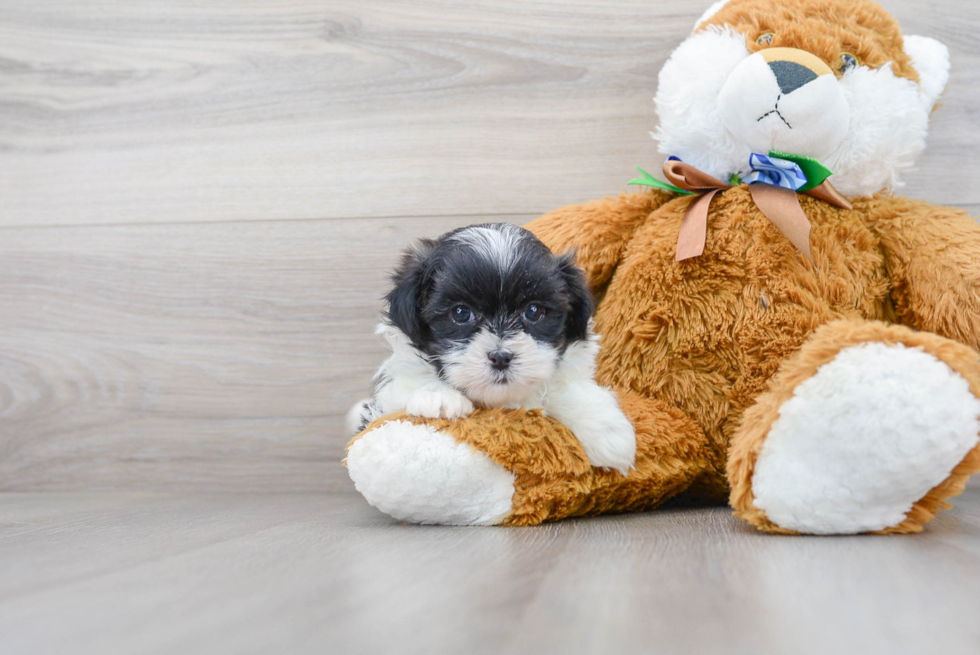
(886, 116)
(858, 443)
(931, 60)
(887, 132)
(687, 103)
(563, 388)
(416, 473)
(811, 120)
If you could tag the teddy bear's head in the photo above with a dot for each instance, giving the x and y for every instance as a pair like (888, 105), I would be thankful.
(832, 80)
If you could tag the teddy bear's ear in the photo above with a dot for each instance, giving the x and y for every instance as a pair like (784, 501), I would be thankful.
(931, 60)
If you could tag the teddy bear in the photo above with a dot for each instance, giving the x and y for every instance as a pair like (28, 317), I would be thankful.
(782, 330)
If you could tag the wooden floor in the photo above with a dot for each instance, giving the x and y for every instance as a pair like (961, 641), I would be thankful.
(131, 573)
(198, 206)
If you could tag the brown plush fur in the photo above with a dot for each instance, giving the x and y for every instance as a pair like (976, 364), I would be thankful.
(706, 335)
(553, 477)
(862, 29)
(820, 349)
(703, 352)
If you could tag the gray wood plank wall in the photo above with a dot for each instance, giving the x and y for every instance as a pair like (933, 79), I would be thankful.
(198, 203)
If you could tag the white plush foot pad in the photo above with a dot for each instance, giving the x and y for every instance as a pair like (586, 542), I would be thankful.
(858, 443)
(416, 473)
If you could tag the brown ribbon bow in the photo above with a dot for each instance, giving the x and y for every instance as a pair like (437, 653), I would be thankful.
(781, 206)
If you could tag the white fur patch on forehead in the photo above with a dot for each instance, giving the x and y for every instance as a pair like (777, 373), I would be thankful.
(497, 244)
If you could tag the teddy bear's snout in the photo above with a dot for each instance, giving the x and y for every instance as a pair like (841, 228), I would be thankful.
(787, 100)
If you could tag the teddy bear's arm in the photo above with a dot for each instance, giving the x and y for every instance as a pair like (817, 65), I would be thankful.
(598, 230)
(932, 255)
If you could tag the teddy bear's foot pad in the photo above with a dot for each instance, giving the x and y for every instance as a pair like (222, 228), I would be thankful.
(863, 439)
(416, 473)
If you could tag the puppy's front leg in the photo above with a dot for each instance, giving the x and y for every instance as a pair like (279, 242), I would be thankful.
(593, 415)
(438, 400)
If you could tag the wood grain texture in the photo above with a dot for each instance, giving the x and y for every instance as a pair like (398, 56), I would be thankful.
(180, 111)
(109, 574)
(199, 202)
(207, 356)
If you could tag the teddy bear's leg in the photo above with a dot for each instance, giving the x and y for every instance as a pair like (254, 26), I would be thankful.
(869, 427)
(415, 472)
(513, 467)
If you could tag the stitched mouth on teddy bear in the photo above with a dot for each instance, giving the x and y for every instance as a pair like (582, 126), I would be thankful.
(775, 110)
(787, 100)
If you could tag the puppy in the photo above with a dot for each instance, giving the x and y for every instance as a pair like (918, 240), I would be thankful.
(487, 316)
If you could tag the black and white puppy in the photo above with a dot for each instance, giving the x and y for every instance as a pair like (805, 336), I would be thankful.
(487, 316)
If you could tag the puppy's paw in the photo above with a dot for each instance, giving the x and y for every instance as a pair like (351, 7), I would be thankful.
(608, 439)
(438, 400)
(593, 415)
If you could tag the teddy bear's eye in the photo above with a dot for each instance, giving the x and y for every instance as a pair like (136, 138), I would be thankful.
(765, 39)
(848, 62)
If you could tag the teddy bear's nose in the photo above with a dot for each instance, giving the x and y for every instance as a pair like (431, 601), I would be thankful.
(794, 68)
(790, 76)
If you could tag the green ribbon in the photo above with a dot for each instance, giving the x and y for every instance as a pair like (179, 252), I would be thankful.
(649, 180)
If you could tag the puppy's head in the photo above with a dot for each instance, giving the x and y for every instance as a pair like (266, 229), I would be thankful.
(491, 307)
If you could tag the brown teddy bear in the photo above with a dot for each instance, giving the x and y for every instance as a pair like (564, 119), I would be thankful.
(781, 330)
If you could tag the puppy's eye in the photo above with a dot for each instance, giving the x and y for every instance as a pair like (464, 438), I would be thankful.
(847, 62)
(533, 313)
(461, 314)
(765, 39)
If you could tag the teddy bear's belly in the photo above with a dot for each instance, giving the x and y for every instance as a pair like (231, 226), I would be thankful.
(706, 334)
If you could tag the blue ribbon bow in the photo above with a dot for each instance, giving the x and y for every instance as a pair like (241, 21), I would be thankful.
(775, 171)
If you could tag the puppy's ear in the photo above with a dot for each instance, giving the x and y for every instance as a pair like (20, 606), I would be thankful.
(579, 296)
(412, 279)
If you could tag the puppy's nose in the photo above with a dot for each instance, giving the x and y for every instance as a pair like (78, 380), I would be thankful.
(500, 359)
